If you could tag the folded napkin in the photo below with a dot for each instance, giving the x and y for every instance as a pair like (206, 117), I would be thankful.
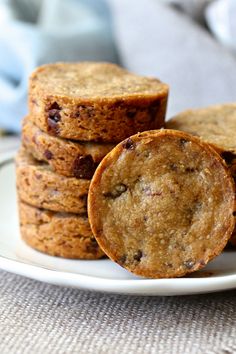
(37, 32)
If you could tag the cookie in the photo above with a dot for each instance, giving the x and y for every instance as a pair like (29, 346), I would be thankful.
(58, 234)
(66, 157)
(92, 101)
(161, 204)
(39, 186)
(215, 125)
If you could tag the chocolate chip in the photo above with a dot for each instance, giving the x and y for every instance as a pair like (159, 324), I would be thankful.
(189, 264)
(55, 105)
(48, 155)
(53, 127)
(189, 169)
(173, 167)
(128, 144)
(228, 156)
(131, 113)
(116, 191)
(122, 259)
(234, 213)
(54, 117)
(137, 256)
(183, 142)
(84, 167)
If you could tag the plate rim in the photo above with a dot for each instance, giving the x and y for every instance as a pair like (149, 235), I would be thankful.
(187, 286)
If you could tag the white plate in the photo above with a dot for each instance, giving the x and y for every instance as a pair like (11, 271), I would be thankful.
(101, 275)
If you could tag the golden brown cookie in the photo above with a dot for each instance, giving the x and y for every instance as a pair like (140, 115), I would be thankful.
(95, 101)
(66, 157)
(58, 234)
(161, 204)
(216, 125)
(39, 186)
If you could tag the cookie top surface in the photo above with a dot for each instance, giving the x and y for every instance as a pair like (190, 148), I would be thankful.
(161, 204)
(92, 80)
(216, 125)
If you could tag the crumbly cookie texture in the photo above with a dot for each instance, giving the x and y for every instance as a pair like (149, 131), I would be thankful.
(39, 186)
(95, 101)
(66, 157)
(216, 125)
(161, 204)
(58, 234)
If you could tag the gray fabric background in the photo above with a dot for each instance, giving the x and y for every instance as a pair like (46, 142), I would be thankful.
(159, 41)
(40, 318)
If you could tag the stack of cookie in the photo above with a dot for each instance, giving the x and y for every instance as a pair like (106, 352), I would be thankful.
(77, 113)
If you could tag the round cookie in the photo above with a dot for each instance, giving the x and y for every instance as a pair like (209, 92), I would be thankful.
(161, 204)
(216, 125)
(39, 186)
(66, 157)
(58, 234)
(95, 101)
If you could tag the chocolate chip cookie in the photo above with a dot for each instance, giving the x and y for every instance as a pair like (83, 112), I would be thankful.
(161, 204)
(39, 186)
(66, 157)
(58, 234)
(95, 101)
(216, 125)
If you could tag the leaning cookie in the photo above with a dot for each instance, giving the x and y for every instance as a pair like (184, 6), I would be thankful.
(161, 204)
(66, 157)
(58, 234)
(215, 125)
(39, 186)
(95, 101)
